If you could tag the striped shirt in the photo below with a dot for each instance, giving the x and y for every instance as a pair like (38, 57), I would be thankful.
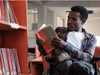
(87, 47)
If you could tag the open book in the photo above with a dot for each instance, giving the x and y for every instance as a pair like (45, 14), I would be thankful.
(47, 33)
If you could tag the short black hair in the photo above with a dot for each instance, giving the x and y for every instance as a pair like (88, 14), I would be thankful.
(82, 10)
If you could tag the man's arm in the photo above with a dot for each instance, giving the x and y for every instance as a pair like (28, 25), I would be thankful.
(86, 54)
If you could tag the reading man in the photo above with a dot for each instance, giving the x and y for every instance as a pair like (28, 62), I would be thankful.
(74, 48)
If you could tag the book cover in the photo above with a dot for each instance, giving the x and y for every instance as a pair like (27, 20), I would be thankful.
(2, 15)
(6, 12)
(16, 61)
(47, 33)
(9, 60)
(12, 13)
(1, 64)
(11, 17)
(12, 62)
(4, 59)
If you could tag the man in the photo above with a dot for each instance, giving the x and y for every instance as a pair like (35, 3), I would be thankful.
(74, 48)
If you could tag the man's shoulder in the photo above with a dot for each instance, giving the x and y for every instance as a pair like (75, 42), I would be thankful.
(91, 36)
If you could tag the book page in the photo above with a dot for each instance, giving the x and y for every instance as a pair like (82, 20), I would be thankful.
(44, 25)
(51, 32)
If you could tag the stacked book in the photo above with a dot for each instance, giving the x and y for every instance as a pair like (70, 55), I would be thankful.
(7, 12)
(9, 64)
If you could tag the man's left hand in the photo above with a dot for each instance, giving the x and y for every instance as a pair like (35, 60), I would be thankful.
(59, 43)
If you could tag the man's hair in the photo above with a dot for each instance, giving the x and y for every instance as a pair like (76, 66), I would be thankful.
(82, 10)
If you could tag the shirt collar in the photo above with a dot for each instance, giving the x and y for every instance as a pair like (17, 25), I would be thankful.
(83, 30)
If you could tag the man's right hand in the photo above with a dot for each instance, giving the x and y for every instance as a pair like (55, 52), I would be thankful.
(40, 42)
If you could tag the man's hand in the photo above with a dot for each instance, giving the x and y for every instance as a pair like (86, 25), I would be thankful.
(39, 41)
(59, 43)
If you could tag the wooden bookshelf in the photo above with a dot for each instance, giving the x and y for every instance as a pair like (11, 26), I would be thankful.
(36, 66)
(39, 64)
(97, 53)
(17, 38)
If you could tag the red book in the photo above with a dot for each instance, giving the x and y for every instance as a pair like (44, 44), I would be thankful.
(6, 11)
(16, 61)
(13, 15)
(9, 60)
(47, 33)
(6, 60)
(1, 64)
(12, 62)
(2, 14)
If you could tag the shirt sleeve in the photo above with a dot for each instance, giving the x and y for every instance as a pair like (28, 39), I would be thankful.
(85, 54)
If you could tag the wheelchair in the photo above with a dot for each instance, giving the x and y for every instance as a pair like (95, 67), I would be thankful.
(95, 61)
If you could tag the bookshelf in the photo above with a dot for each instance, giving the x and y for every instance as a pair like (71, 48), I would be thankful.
(17, 38)
(38, 64)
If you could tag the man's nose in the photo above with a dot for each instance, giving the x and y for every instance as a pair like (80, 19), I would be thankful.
(69, 21)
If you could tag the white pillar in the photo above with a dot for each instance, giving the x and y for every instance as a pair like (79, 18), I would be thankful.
(41, 15)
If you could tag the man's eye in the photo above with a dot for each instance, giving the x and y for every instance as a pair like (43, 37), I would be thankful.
(74, 19)
(68, 18)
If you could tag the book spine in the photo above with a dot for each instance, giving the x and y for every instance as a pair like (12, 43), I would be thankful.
(1, 64)
(3, 68)
(11, 17)
(7, 19)
(9, 60)
(14, 51)
(12, 62)
(13, 13)
(5, 61)
(1, 10)
(9, 63)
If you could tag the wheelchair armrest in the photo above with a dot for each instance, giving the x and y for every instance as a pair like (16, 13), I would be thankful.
(95, 61)
(96, 58)
(49, 59)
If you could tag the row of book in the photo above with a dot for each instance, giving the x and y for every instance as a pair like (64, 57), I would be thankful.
(9, 64)
(7, 11)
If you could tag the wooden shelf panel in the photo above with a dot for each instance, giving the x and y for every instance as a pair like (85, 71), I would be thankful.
(39, 59)
(36, 66)
(6, 26)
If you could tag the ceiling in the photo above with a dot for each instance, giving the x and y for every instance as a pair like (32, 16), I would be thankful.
(61, 6)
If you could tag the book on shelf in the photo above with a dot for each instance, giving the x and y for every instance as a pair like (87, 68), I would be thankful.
(2, 15)
(6, 68)
(16, 61)
(7, 12)
(9, 62)
(1, 64)
(47, 33)
(11, 17)
(12, 14)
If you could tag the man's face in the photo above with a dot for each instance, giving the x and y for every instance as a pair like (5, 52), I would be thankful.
(74, 23)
